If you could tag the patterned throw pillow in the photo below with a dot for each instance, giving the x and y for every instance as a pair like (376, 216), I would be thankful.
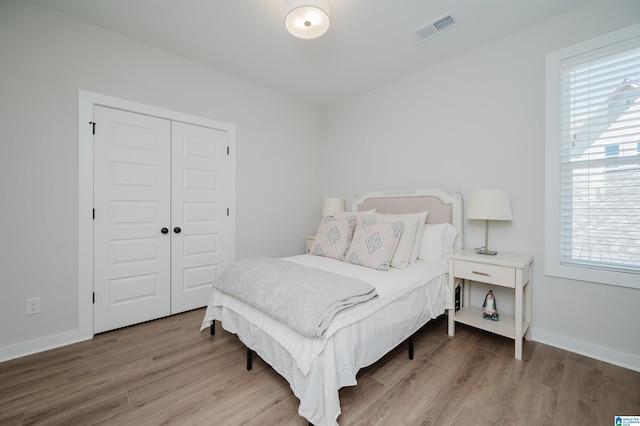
(402, 254)
(374, 243)
(333, 237)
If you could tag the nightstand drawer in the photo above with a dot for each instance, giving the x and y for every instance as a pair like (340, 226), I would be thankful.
(492, 274)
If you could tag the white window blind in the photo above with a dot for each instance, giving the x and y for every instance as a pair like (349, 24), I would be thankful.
(600, 158)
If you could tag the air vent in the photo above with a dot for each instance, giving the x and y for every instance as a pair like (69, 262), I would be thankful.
(434, 27)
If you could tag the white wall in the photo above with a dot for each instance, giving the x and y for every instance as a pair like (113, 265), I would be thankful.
(45, 58)
(478, 122)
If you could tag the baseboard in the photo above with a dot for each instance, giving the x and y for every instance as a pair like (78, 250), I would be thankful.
(602, 353)
(42, 344)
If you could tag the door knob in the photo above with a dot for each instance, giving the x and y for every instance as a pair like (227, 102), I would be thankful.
(177, 230)
(164, 230)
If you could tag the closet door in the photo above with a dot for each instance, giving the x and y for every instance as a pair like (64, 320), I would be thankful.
(132, 184)
(199, 217)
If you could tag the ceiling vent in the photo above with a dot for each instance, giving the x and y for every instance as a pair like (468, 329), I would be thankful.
(435, 27)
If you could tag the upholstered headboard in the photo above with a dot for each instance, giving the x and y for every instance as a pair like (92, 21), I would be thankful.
(442, 206)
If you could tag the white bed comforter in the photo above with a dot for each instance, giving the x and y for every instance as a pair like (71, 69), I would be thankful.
(316, 368)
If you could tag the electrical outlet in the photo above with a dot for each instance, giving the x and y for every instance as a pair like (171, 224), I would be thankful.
(33, 306)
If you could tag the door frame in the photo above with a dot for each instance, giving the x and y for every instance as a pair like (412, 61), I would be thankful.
(86, 102)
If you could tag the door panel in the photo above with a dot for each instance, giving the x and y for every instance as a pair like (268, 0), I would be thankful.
(199, 202)
(132, 204)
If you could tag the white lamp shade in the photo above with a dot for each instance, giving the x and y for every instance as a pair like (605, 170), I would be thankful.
(332, 206)
(306, 19)
(489, 205)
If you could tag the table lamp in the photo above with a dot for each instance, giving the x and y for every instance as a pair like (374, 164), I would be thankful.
(489, 205)
(332, 206)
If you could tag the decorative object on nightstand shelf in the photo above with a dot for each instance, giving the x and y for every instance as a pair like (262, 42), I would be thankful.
(489, 307)
(332, 206)
(489, 205)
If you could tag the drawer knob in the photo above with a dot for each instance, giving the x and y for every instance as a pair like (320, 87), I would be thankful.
(481, 273)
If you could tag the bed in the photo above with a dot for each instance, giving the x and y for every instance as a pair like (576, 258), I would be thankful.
(411, 291)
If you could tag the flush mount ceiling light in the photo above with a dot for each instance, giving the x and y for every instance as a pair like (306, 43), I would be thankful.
(306, 19)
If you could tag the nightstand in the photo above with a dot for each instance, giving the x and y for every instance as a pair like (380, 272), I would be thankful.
(309, 242)
(504, 269)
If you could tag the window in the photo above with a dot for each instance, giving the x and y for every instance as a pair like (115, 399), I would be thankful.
(593, 165)
(612, 150)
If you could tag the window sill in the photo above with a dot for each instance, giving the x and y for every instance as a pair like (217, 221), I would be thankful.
(593, 275)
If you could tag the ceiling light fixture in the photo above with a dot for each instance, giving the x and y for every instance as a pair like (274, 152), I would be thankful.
(306, 19)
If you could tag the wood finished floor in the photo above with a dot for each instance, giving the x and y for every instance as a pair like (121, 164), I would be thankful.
(167, 372)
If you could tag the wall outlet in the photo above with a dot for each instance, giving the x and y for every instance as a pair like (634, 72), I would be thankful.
(33, 306)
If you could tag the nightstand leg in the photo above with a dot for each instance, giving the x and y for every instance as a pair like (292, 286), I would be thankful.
(518, 317)
(451, 313)
(527, 304)
(452, 325)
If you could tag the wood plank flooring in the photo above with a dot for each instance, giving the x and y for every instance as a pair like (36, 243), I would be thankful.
(167, 372)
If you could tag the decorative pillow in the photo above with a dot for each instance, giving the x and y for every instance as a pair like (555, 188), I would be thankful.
(411, 238)
(402, 254)
(437, 242)
(374, 243)
(333, 237)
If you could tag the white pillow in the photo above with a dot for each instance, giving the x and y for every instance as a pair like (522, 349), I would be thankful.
(411, 238)
(373, 243)
(422, 219)
(437, 242)
(333, 237)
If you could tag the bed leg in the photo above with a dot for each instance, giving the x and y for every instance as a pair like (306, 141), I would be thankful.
(249, 359)
(411, 347)
(212, 330)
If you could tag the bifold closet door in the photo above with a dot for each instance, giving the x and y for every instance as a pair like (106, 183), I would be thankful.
(199, 217)
(132, 236)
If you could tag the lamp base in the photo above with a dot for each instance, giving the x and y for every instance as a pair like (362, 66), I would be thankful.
(482, 250)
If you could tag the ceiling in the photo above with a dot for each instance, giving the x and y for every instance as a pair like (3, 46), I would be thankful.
(369, 43)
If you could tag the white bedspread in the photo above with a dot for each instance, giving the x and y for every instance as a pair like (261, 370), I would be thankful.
(316, 368)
